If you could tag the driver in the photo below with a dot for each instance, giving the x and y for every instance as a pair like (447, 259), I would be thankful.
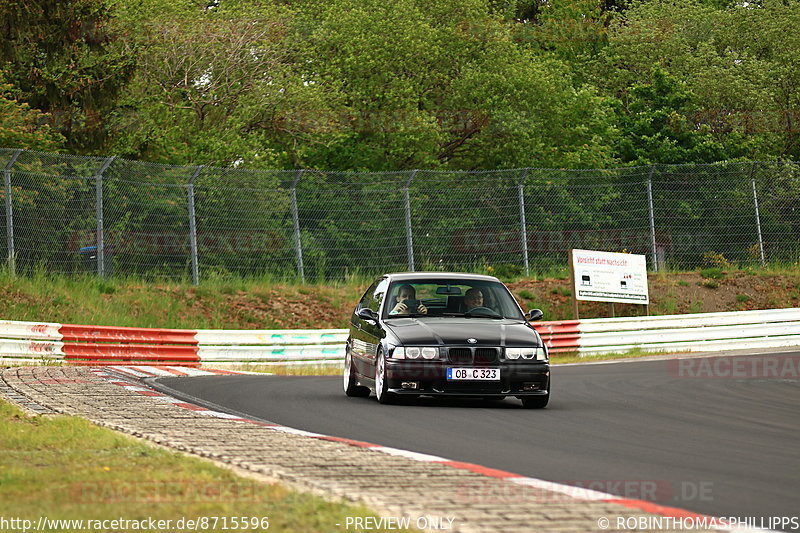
(473, 298)
(407, 292)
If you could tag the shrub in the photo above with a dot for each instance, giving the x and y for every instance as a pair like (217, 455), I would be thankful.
(712, 273)
(714, 259)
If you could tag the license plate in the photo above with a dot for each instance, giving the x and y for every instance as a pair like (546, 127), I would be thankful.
(473, 374)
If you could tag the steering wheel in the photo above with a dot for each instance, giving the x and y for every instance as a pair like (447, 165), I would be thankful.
(483, 310)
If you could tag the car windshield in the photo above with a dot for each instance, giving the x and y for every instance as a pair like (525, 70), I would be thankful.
(450, 298)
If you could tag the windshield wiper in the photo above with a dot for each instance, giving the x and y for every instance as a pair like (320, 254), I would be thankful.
(407, 315)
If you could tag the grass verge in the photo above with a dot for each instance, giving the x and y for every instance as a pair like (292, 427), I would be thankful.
(571, 358)
(65, 468)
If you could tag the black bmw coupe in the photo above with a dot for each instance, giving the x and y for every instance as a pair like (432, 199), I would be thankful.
(444, 334)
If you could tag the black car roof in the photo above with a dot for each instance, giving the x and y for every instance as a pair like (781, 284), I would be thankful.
(410, 276)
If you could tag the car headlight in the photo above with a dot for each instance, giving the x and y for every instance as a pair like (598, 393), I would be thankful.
(415, 352)
(525, 353)
(430, 353)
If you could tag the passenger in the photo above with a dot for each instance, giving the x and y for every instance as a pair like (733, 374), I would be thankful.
(407, 292)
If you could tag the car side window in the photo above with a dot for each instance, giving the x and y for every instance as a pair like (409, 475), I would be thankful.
(373, 297)
(379, 295)
(366, 300)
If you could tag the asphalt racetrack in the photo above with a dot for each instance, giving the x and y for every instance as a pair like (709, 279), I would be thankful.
(699, 437)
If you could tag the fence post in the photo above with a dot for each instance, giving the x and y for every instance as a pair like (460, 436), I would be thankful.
(409, 234)
(193, 228)
(101, 267)
(521, 192)
(758, 216)
(296, 222)
(12, 267)
(652, 217)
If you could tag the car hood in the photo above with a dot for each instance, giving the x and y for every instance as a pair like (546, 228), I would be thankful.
(455, 331)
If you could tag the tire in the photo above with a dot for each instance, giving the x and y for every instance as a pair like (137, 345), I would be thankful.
(349, 379)
(381, 386)
(535, 402)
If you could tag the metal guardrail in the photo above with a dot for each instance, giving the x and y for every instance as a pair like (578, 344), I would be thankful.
(775, 328)
(272, 346)
(107, 345)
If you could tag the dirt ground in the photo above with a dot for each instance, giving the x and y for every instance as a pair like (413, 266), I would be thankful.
(672, 293)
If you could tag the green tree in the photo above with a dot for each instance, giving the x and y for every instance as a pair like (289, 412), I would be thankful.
(574, 31)
(214, 86)
(64, 59)
(450, 88)
(657, 129)
(739, 64)
(24, 127)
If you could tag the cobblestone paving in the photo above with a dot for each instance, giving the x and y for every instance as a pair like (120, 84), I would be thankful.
(392, 486)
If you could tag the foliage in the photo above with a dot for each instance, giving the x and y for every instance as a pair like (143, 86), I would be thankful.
(712, 273)
(24, 127)
(261, 85)
(657, 128)
(715, 259)
(64, 59)
(436, 84)
(451, 89)
(208, 85)
(734, 66)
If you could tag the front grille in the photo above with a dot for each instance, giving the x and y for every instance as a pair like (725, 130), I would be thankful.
(460, 355)
(485, 355)
(478, 356)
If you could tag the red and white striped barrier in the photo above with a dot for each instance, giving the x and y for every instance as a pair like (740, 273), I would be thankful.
(109, 345)
(93, 345)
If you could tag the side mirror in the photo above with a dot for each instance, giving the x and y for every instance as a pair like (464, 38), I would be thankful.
(535, 314)
(367, 314)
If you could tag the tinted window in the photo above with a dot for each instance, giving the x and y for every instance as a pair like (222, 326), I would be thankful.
(373, 297)
(367, 297)
(379, 294)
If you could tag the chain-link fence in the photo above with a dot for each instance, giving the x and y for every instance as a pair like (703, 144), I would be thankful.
(73, 214)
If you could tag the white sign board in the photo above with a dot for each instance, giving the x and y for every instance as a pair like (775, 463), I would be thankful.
(610, 277)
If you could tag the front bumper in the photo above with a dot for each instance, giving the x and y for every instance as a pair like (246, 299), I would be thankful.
(527, 378)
